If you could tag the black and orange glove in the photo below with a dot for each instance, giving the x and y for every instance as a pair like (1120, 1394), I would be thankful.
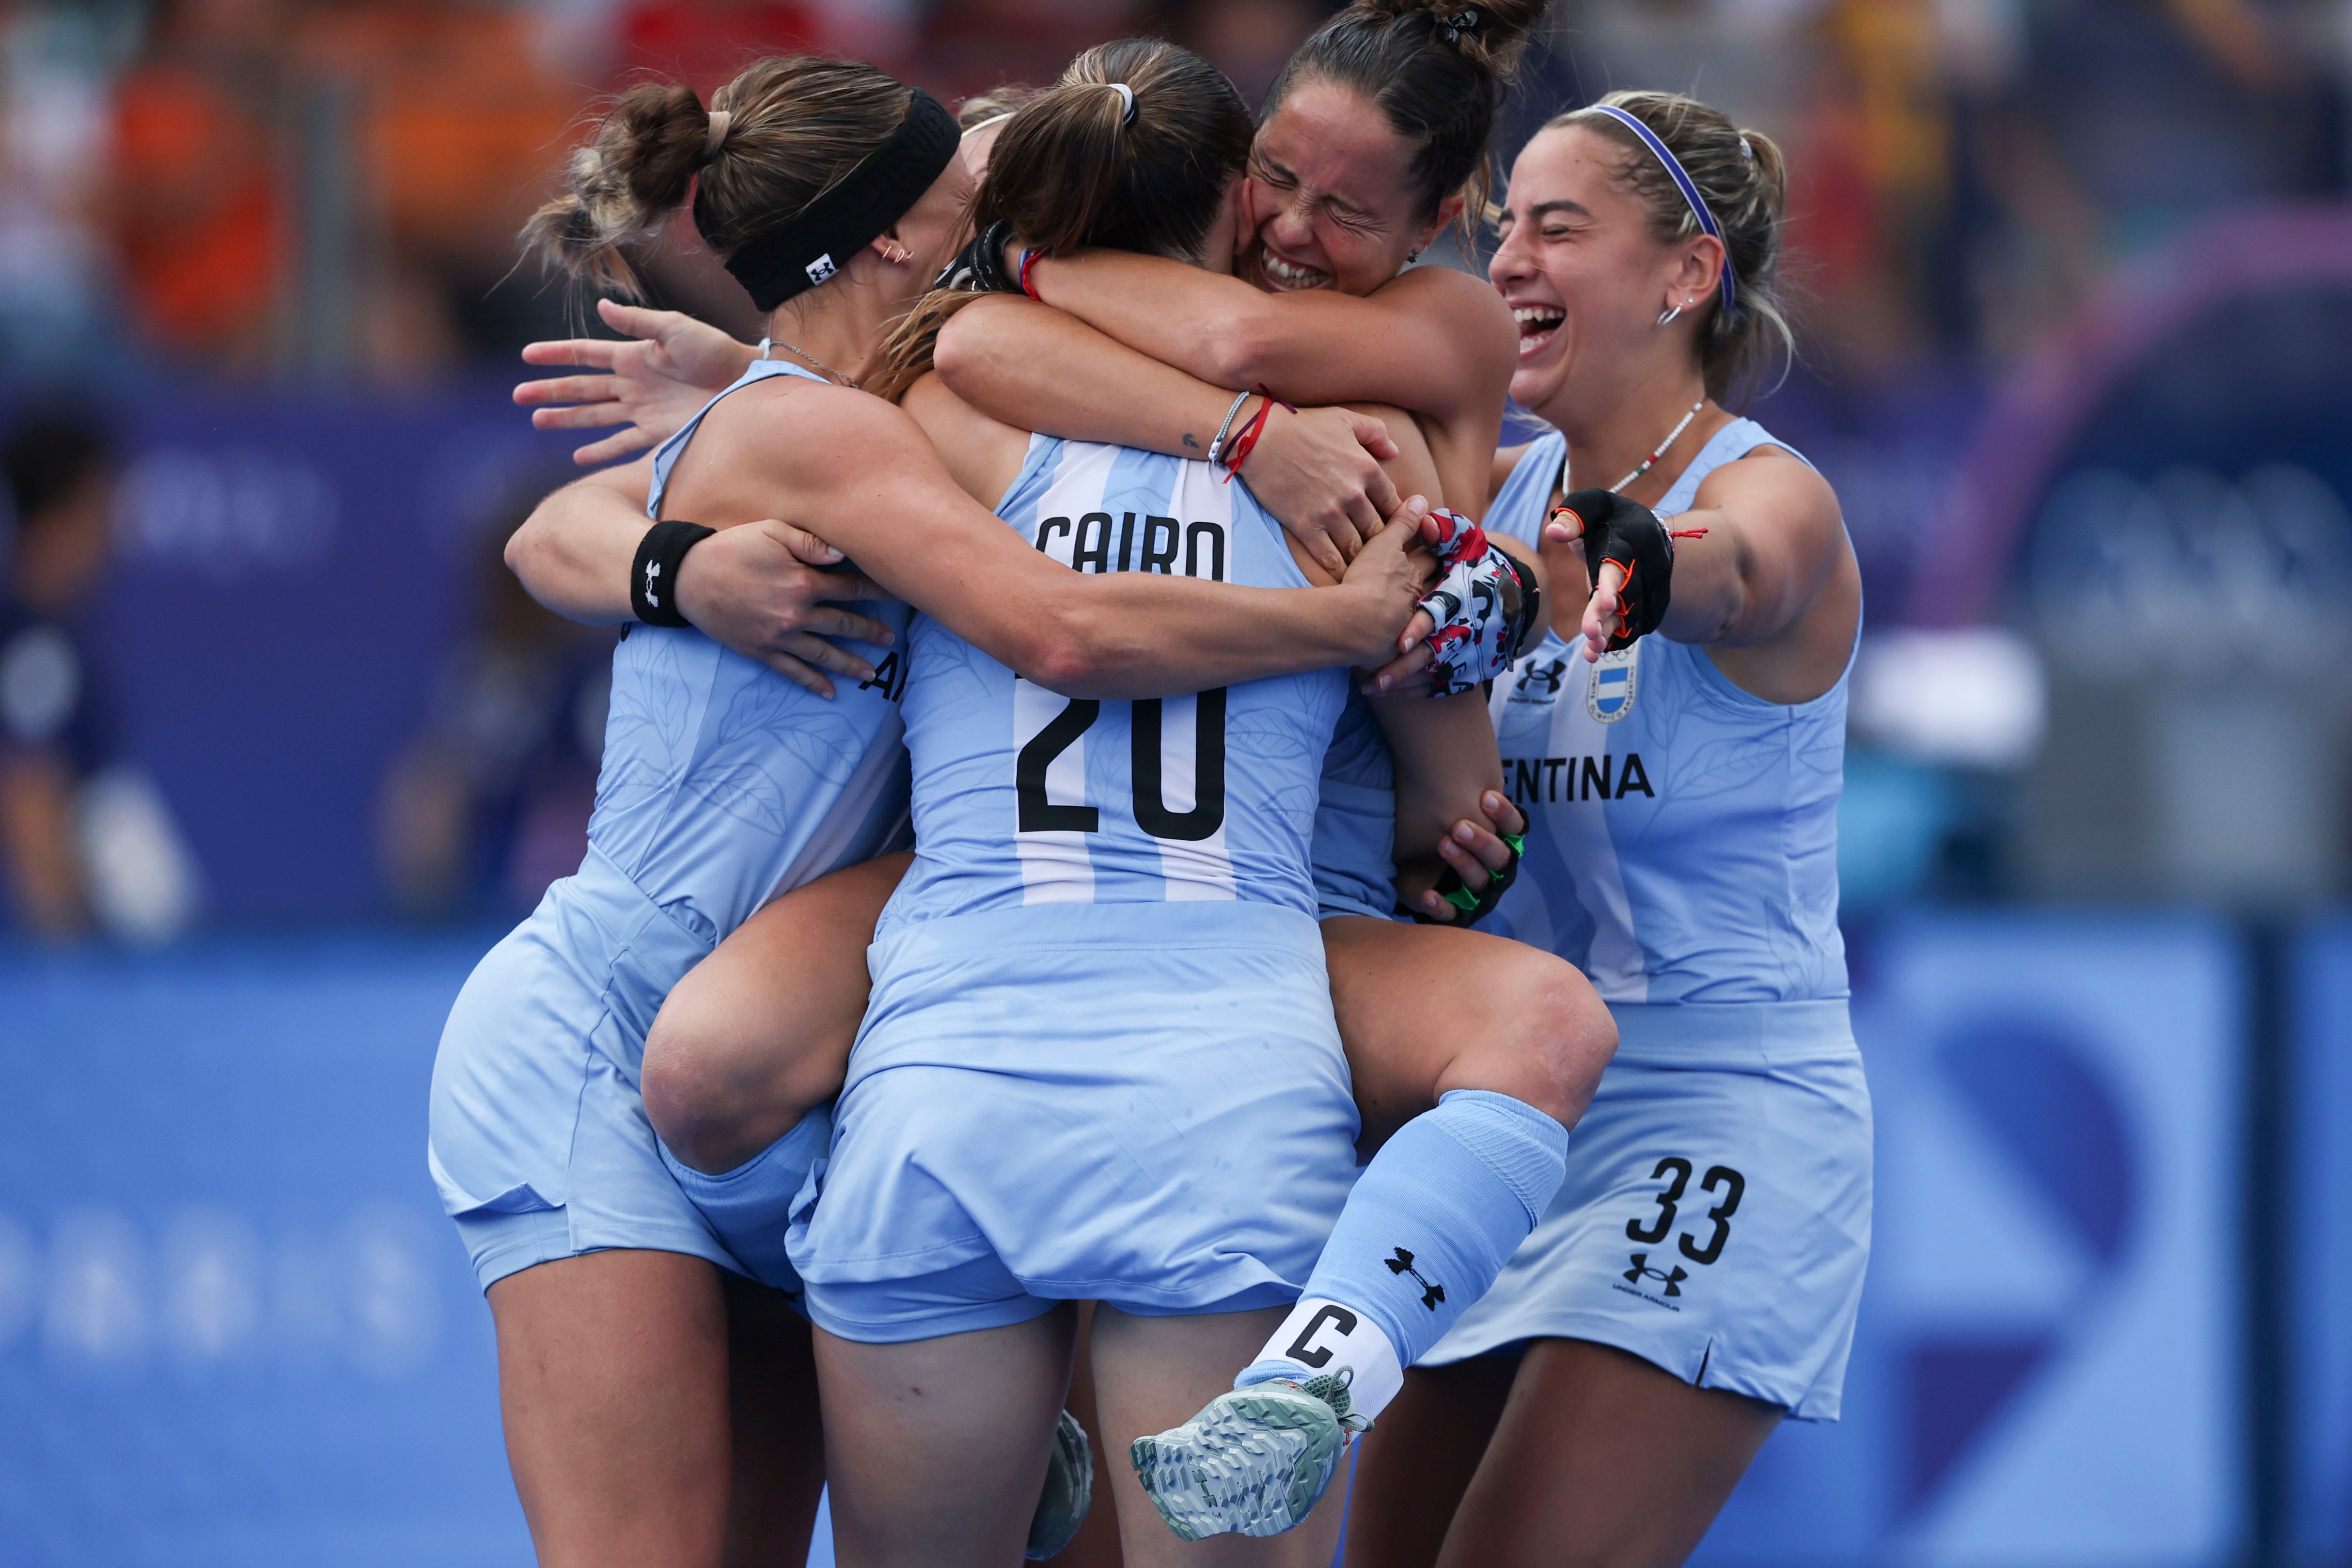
(1629, 536)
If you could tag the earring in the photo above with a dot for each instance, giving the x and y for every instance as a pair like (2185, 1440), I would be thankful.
(1411, 257)
(895, 253)
(1666, 316)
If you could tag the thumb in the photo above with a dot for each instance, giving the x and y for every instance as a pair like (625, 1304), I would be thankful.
(806, 547)
(1373, 435)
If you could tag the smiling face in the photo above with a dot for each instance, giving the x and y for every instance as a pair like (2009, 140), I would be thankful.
(1331, 195)
(1578, 267)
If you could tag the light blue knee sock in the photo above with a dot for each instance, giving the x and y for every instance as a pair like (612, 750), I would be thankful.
(749, 1205)
(1432, 1220)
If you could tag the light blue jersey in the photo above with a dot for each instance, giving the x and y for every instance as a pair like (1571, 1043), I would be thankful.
(1682, 851)
(723, 785)
(1100, 1060)
(1355, 819)
(1682, 843)
(1025, 797)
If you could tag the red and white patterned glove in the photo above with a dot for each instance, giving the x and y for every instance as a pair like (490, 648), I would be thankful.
(1484, 607)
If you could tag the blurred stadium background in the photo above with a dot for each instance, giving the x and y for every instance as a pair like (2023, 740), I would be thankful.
(285, 748)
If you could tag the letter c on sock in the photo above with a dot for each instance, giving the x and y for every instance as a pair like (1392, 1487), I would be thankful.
(1301, 1352)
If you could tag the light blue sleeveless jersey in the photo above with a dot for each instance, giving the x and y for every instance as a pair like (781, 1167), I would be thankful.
(1682, 834)
(724, 784)
(1023, 796)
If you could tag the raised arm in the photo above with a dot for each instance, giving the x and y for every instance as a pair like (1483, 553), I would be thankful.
(663, 367)
(1434, 341)
(1764, 575)
(1036, 368)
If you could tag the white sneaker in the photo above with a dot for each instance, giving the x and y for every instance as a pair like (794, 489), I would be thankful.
(1254, 1462)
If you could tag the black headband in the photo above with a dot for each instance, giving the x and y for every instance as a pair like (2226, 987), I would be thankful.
(818, 241)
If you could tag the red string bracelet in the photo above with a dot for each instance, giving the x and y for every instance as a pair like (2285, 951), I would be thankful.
(1248, 439)
(1028, 260)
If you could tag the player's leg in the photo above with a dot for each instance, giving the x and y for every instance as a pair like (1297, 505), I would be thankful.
(1095, 1545)
(1150, 1373)
(1492, 1049)
(1599, 1460)
(614, 1378)
(778, 1440)
(748, 1049)
(937, 1447)
(1416, 1463)
(758, 1034)
(1426, 1010)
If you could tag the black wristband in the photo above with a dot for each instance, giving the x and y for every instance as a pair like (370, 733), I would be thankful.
(653, 581)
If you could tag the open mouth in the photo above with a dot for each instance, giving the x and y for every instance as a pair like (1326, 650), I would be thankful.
(1537, 325)
(1288, 276)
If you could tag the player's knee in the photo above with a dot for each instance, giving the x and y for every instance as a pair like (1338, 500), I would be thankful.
(1545, 1039)
(716, 1097)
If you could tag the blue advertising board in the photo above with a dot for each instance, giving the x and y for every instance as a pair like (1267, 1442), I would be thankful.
(2047, 1366)
(235, 1330)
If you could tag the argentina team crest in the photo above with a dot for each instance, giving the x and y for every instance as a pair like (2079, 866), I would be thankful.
(1609, 692)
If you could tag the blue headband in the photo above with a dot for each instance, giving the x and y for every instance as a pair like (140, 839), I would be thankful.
(1683, 183)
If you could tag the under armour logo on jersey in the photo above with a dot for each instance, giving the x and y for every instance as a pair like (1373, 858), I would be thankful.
(1642, 1271)
(1545, 679)
(653, 570)
(1430, 1295)
(821, 269)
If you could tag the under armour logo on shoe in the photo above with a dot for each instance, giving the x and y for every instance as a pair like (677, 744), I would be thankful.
(1430, 1295)
(1642, 1271)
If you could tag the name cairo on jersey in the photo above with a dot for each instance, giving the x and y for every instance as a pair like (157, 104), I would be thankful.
(1538, 780)
(1161, 538)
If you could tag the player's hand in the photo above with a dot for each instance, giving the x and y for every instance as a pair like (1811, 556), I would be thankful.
(763, 589)
(1396, 566)
(1604, 615)
(1475, 851)
(1318, 471)
(656, 379)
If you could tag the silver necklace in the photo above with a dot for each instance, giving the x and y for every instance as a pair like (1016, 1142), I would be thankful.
(1646, 464)
(820, 364)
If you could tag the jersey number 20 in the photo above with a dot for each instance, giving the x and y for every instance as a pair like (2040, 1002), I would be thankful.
(1039, 814)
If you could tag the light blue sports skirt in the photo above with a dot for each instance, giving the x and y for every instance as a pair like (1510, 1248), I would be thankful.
(1715, 1218)
(1144, 1104)
(538, 1138)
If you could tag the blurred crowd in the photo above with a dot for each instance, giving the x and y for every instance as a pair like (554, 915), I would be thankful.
(275, 186)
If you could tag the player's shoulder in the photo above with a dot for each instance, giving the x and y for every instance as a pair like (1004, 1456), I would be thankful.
(792, 427)
(1459, 298)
